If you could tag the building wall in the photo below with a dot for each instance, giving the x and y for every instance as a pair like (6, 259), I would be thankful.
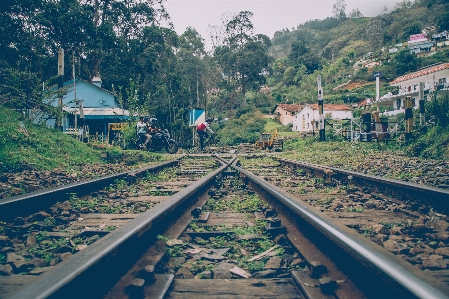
(302, 120)
(92, 96)
(285, 117)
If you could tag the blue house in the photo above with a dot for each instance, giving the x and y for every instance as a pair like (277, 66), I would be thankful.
(90, 103)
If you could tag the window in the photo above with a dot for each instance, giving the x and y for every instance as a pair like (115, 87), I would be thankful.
(307, 115)
(286, 113)
(441, 81)
(307, 125)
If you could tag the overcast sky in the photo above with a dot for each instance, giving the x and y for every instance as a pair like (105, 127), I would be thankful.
(269, 16)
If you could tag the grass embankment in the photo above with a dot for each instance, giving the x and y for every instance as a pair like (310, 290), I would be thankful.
(25, 145)
(432, 145)
(283, 131)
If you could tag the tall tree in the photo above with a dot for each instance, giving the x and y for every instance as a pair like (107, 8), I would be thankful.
(242, 56)
(338, 9)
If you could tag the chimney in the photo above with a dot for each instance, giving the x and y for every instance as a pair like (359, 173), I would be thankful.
(96, 81)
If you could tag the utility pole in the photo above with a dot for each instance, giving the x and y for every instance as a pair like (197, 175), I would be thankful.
(60, 85)
(421, 103)
(321, 111)
(75, 101)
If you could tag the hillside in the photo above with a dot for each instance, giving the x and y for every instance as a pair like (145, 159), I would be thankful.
(331, 48)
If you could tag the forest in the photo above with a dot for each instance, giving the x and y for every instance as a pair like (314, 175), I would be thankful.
(133, 47)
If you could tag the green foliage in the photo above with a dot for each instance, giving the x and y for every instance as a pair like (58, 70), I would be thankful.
(437, 109)
(24, 145)
(246, 128)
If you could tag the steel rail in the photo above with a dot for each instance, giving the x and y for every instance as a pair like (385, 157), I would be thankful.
(103, 258)
(26, 204)
(404, 277)
(436, 197)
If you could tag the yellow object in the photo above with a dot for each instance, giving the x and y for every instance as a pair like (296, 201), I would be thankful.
(267, 140)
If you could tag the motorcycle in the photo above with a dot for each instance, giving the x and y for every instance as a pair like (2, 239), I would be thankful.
(159, 140)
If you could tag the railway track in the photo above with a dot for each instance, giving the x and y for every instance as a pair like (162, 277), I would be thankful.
(213, 228)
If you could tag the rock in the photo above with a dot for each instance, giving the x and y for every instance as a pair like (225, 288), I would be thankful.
(434, 262)
(5, 269)
(443, 251)
(221, 271)
(380, 229)
(176, 262)
(273, 263)
(442, 237)
(205, 275)
(264, 274)
(65, 255)
(184, 273)
(19, 262)
(396, 230)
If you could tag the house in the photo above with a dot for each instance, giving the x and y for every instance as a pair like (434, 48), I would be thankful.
(98, 106)
(419, 43)
(285, 112)
(434, 77)
(309, 115)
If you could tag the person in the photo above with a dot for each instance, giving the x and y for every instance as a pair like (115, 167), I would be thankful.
(202, 129)
(141, 131)
(83, 132)
(151, 129)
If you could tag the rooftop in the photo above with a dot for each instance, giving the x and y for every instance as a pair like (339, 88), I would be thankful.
(422, 72)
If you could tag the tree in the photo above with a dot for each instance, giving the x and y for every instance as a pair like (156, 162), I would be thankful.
(411, 29)
(338, 10)
(355, 14)
(242, 56)
(443, 22)
(405, 62)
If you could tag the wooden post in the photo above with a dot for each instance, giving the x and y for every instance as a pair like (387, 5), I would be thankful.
(408, 117)
(60, 86)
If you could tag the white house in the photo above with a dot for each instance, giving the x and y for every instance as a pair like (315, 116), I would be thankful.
(286, 112)
(435, 77)
(303, 121)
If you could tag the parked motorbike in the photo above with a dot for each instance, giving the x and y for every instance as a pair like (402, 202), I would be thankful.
(159, 140)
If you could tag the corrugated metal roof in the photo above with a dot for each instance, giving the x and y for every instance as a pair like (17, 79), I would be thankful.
(100, 113)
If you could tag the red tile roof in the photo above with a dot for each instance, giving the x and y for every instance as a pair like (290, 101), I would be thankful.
(291, 107)
(331, 107)
(426, 71)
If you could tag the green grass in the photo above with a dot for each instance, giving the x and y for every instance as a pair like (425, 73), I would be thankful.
(43, 148)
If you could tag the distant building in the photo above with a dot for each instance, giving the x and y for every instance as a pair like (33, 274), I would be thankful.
(305, 119)
(285, 112)
(419, 43)
(435, 77)
(98, 106)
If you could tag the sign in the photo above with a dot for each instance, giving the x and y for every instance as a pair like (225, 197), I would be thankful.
(377, 74)
(118, 126)
(196, 117)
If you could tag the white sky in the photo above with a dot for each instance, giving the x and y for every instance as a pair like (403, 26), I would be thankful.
(269, 16)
